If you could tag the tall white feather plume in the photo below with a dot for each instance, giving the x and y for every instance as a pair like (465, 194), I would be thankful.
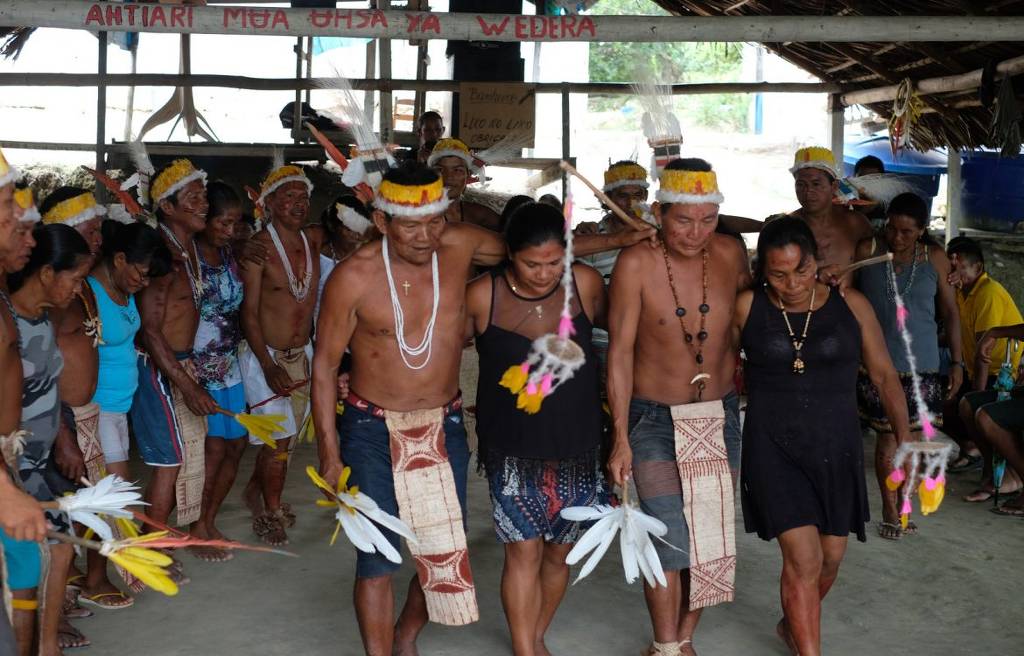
(347, 114)
(110, 496)
(659, 122)
(144, 171)
(510, 147)
(881, 187)
(277, 158)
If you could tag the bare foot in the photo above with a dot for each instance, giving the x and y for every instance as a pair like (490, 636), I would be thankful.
(405, 649)
(782, 629)
(540, 648)
(253, 499)
(686, 648)
(209, 554)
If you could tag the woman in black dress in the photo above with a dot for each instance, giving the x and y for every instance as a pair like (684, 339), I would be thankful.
(803, 478)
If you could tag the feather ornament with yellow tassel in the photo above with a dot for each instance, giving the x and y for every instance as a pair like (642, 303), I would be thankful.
(357, 514)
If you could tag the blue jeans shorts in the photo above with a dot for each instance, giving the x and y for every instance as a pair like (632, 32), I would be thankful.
(366, 448)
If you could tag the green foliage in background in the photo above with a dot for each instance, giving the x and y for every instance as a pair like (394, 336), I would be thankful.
(675, 62)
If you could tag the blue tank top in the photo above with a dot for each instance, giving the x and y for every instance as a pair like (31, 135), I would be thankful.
(119, 374)
(918, 289)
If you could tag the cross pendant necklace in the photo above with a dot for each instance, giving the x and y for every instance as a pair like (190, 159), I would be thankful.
(405, 287)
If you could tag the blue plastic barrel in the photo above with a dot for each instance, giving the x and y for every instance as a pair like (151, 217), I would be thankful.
(921, 170)
(993, 191)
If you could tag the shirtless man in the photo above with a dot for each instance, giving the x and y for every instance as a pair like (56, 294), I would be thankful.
(78, 335)
(169, 410)
(21, 519)
(277, 320)
(429, 130)
(393, 382)
(452, 160)
(666, 352)
(836, 229)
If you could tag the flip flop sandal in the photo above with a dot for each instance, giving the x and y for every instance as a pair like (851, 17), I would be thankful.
(890, 531)
(990, 494)
(1007, 512)
(973, 462)
(97, 600)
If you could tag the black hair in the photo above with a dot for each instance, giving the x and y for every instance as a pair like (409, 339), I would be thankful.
(912, 205)
(689, 164)
(59, 195)
(511, 205)
(868, 162)
(58, 246)
(780, 233)
(428, 115)
(966, 248)
(533, 224)
(140, 245)
(623, 162)
(550, 199)
(221, 197)
(249, 220)
(330, 220)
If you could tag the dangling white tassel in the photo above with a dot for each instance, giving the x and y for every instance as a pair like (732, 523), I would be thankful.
(110, 496)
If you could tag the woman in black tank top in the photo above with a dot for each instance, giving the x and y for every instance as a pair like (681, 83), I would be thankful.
(536, 464)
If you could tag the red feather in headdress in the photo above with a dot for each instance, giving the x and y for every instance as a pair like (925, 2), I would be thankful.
(129, 202)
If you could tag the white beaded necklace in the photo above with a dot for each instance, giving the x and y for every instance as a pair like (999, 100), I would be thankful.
(426, 346)
(298, 289)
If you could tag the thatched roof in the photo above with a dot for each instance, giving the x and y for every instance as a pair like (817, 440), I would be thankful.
(954, 119)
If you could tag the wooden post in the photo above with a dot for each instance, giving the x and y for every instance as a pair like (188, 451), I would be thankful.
(566, 138)
(387, 118)
(101, 108)
(837, 129)
(371, 72)
(954, 210)
(297, 108)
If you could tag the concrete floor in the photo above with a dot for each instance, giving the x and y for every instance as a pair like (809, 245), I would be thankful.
(955, 588)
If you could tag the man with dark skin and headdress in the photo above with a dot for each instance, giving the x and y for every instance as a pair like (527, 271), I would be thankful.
(391, 382)
(277, 320)
(837, 230)
(170, 407)
(452, 160)
(671, 347)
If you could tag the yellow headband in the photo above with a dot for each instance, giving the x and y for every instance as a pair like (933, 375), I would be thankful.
(8, 174)
(450, 148)
(815, 157)
(624, 175)
(174, 178)
(283, 175)
(75, 211)
(411, 200)
(24, 200)
(689, 187)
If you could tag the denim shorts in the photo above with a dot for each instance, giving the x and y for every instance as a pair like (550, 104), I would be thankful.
(366, 448)
(653, 442)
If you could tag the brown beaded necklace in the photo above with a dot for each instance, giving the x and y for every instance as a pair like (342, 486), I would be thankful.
(702, 334)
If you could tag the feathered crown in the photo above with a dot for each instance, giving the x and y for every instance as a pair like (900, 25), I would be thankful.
(280, 176)
(411, 200)
(689, 187)
(75, 210)
(451, 148)
(625, 174)
(815, 157)
(659, 122)
(8, 173)
(173, 178)
(352, 219)
(24, 200)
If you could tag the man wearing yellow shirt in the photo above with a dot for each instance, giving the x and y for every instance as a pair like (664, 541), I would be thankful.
(984, 304)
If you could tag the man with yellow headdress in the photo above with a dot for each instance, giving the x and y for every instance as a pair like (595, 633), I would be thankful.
(397, 305)
(670, 387)
(455, 164)
(170, 407)
(837, 230)
(22, 524)
(77, 450)
(277, 320)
